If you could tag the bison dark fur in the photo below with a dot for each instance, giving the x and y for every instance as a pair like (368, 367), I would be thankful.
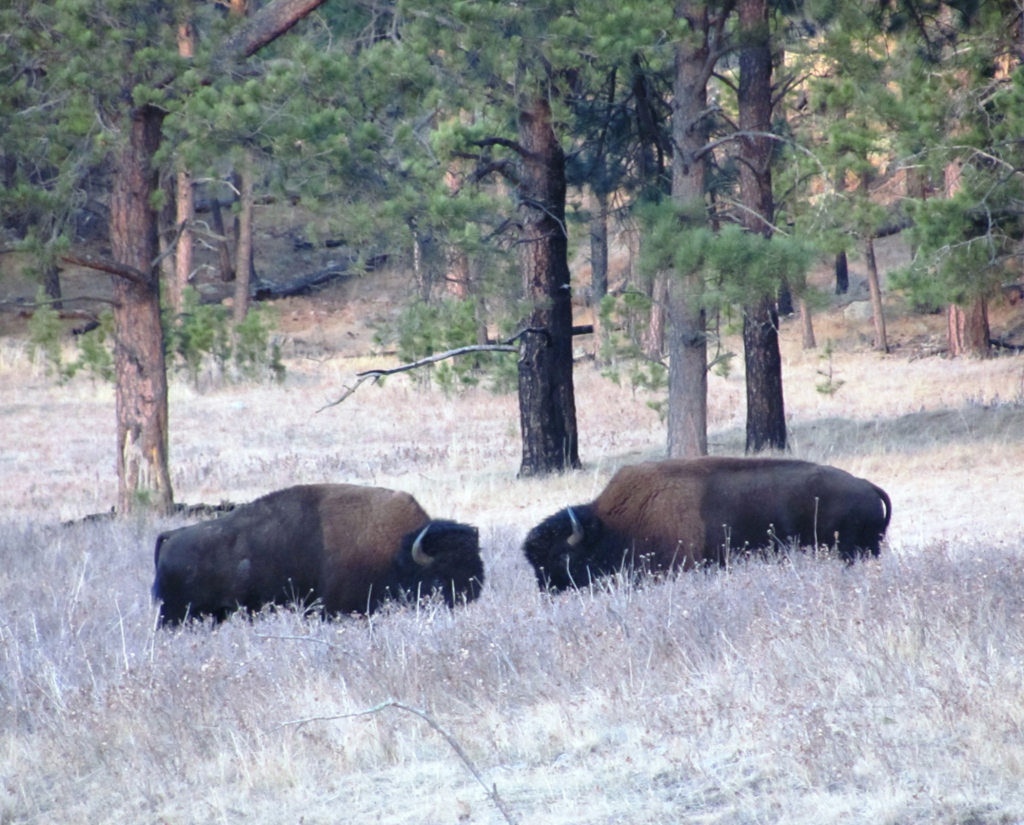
(685, 512)
(345, 546)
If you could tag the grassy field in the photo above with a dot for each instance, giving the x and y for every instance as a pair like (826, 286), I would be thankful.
(797, 691)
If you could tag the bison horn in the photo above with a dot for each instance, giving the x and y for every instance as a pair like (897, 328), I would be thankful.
(418, 556)
(577, 531)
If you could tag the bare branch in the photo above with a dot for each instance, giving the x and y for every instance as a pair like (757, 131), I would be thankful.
(348, 392)
(105, 265)
(491, 791)
(441, 356)
(506, 346)
(15, 306)
(179, 231)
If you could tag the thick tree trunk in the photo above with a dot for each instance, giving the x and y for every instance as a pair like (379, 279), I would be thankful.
(547, 404)
(141, 396)
(687, 344)
(968, 329)
(766, 417)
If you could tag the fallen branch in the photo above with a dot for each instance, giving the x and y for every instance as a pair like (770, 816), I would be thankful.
(268, 290)
(491, 792)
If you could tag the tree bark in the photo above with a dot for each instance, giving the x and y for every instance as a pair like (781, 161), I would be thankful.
(227, 269)
(184, 198)
(547, 404)
(599, 250)
(654, 338)
(185, 213)
(141, 395)
(687, 344)
(243, 245)
(266, 25)
(766, 417)
(968, 329)
(807, 325)
(877, 312)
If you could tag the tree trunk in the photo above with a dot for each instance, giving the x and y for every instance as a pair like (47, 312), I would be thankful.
(184, 198)
(243, 246)
(881, 341)
(185, 213)
(51, 284)
(140, 371)
(842, 274)
(599, 250)
(807, 325)
(227, 269)
(654, 338)
(687, 345)
(969, 330)
(141, 396)
(766, 417)
(547, 405)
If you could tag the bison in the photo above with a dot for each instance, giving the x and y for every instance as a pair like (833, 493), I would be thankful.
(347, 547)
(682, 513)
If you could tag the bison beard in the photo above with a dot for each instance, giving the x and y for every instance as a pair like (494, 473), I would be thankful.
(346, 548)
(682, 513)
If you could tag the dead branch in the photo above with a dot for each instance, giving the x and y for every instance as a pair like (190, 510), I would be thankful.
(492, 791)
(25, 306)
(441, 356)
(348, 391)
(105, 265)
(374, 375)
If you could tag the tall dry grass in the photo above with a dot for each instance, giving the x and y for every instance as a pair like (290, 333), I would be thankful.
(793, 691)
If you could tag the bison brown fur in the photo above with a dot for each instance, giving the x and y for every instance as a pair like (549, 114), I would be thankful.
(681, 513)
(345, 546)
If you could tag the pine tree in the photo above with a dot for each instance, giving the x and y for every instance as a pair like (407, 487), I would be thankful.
(114, 69)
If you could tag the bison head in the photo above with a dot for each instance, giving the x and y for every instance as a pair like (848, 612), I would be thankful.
(444, 557)
(572, 548)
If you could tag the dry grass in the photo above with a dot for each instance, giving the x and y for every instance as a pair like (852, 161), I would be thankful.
(795, 691)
